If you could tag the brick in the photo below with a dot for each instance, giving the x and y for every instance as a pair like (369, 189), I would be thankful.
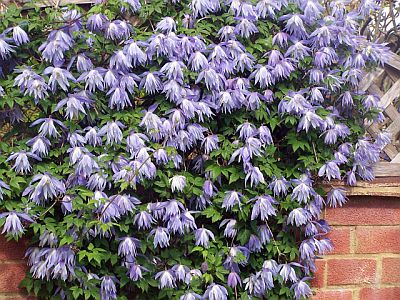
(10, 276)
(391, 270)
(332, 295)
(391, 293)
(341, 240)
(366, 211)
(318, 280)
(351, 271)
(11, 250)
(382, 239)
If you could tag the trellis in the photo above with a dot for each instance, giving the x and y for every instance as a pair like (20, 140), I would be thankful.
(385, 82)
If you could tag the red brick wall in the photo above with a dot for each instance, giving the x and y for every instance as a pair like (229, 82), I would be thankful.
(365, 264)
(12, 269)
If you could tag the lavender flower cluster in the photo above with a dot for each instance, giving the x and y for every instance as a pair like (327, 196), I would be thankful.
(187, 85)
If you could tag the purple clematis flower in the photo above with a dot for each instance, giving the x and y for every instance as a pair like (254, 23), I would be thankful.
(83, 63)
(74, 104)
(161, 237)
(19, 36)
(3, 186)
(93, 79)
(143, 220)
(330, 169)
(190, 296)
(279, 186)
(118, 30)
(263, 207)
(150, 82)
(295, 25)
(166, 279)
(166, 25)
(21, 164)
(58, 76)
(216, 292)
(5, 48)
(231, 199)
(287, 272)
(203, 237)
(178, 183)
(255, 176)
(303, 189)
(245, 28)
(47, 187)
(113, 132)
(108, 290)
(234, 280)
(210, 143)
(336, 197)
(135, 271)
(128, 247)
(298, 216)
(230, 230)
(302, 289)
(13, 223)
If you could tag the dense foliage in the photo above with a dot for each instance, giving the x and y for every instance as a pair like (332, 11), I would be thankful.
(175, 150)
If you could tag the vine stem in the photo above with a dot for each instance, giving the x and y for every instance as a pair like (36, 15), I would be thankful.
(136, 173)
(273, 240)
(48, 209)
(111, 202)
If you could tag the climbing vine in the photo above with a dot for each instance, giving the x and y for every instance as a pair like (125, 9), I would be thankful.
(176, 149)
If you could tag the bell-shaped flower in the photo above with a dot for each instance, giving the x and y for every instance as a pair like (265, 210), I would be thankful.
(128, 247)
(263, 207)
(231, 199)
(198, 61)
(3, 186)
(298, 216)
(74, 104)
(173, 70)
(117, 30)
(336, 197)
(230, 229)
(245, 28)
(216, 292)
(161, 237)
(5, 48)
(21, 164)
(254, 174)
(166, 25)
(13, 224)
(203, 236)
(19, 36)
(151, 82)
(210, 143)
(48, 127)
(143, 220)
(59, 76)
(108, 290)
(136, 55)
(47, 187)
(178, 183)
(166, 279)
(113, 132)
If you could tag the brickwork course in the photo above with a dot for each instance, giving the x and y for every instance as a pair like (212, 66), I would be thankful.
(12, 269)
(365, 264)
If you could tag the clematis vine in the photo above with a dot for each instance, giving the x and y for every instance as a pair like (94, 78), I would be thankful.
(178, 155)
